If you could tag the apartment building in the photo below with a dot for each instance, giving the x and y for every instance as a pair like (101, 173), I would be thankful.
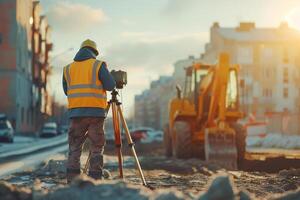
(151, 107)
(24, 64)
(270, 70)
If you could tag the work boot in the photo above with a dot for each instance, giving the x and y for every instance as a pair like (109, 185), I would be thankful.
(97, 175)
(71, 174)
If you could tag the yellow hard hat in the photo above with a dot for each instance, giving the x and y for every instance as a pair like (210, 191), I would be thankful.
(91, 44)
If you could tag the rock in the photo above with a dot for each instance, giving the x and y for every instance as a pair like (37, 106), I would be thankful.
(37, 190)
(289, 196)
(220, 188)
(290, 172)
(289, 186)
(83, 181)
(106, 174)
(244, 196)
(205, 171)
(53, 167)
(85, 188)
(169, 195)
(10, 192)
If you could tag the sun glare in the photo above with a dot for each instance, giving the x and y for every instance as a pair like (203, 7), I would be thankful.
(293, 18)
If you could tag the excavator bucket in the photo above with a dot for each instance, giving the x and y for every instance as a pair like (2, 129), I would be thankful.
(220, 147)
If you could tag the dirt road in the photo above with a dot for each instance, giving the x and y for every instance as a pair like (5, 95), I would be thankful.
(187, 176)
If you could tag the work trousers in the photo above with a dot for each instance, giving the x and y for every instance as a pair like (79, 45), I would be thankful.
(80, 129)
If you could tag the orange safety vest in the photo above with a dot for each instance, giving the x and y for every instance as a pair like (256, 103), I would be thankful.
(84, 88)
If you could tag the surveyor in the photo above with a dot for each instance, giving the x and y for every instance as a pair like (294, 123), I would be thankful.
(85, 82)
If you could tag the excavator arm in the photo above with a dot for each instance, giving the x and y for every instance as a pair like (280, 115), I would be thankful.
(220, 145)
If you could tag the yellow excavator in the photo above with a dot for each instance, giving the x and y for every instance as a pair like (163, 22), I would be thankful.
(203, 121)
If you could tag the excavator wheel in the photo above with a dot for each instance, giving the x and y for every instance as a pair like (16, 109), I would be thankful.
(183, 140)
(240, 143)
(167, 142)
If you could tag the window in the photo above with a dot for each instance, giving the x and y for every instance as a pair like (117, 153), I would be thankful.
(32, 117)
(28, 116)
(231, 93)
(267, 92)
(285, 92)
(267, 53)
(245, 55)
(285, 56)
(22, 115)
(285, 75)
(267, 72)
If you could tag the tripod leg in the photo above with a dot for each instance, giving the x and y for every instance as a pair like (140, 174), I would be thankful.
(118, 139)
(131, 145)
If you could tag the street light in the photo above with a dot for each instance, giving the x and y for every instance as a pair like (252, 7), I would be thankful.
(60, 54)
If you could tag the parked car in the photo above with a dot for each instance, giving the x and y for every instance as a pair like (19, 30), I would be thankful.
(109, 136)
(153, 136)
(139, 133)
(63, 129)
(49, 129)
(6, 129)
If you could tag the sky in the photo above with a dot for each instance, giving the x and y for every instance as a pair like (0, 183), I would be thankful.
(146, 37)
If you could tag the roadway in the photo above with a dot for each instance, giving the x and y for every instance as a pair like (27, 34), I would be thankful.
(28, 153)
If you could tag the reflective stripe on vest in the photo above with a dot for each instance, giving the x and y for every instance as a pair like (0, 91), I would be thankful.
(76, 95)
(93, 91)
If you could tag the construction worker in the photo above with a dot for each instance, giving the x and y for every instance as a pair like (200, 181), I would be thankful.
(85, 82)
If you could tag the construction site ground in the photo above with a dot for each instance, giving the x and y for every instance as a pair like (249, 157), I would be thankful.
(190, 177)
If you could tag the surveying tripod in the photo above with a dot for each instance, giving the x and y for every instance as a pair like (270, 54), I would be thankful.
(117, 114)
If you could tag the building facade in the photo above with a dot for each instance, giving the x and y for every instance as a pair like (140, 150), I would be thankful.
(22, 81)
(152, 105)
(269, 73)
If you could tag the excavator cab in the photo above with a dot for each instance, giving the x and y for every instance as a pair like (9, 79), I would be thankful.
(203, 121)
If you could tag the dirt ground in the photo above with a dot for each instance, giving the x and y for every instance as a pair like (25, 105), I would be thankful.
(193, 175)
(187, 176)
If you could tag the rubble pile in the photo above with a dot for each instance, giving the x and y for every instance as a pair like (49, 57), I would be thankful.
(83, 187)
(53, 167)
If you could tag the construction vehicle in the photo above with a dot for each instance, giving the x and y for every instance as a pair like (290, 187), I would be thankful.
(203, 122)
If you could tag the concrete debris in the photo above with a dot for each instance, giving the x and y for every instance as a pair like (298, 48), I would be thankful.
(205, 171)
(170, 194)
(106, 174)
(289, 173)
(53, 167)
(242, 195)
(84, 187)
(295, 195)
(220, 188)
